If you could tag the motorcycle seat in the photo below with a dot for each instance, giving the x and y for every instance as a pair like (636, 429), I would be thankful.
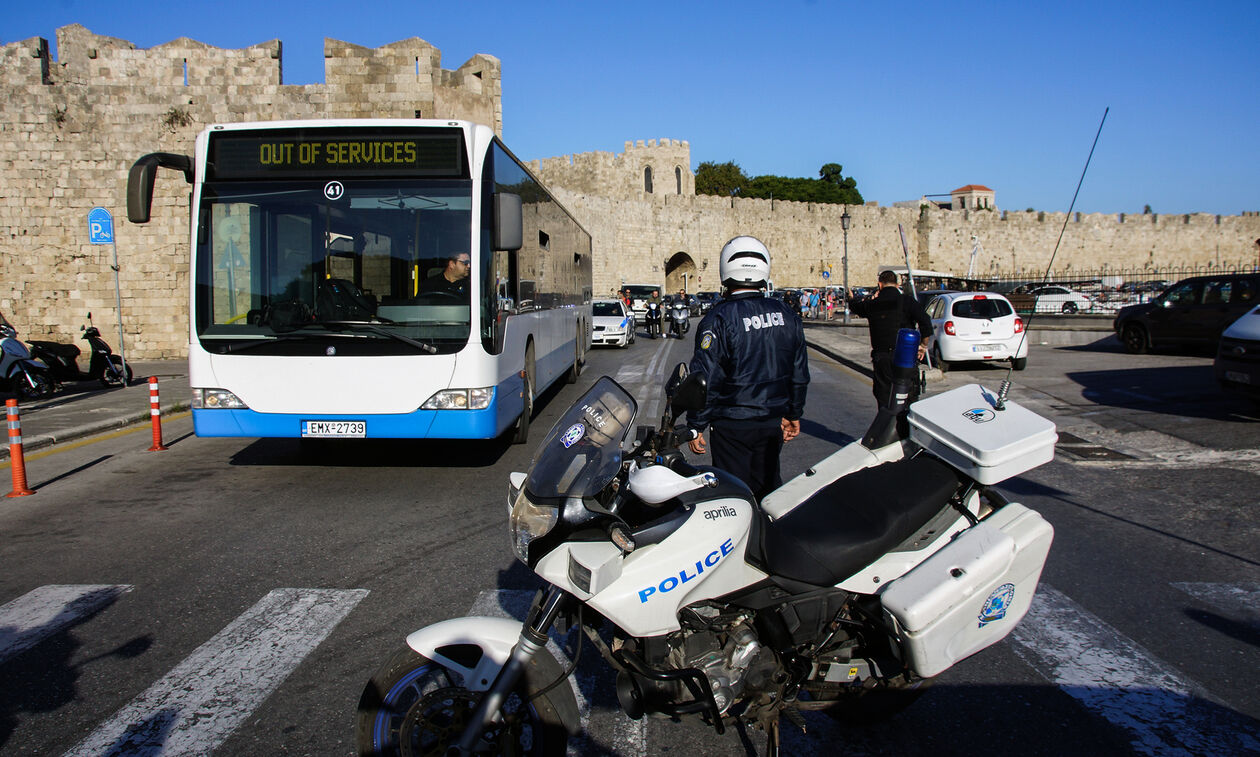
(856, 519)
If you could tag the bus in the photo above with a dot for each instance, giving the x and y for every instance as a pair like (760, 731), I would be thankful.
(373, 278)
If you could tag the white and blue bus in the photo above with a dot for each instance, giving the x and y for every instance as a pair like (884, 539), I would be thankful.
(373, 278)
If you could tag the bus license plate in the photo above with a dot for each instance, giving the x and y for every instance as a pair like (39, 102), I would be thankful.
(334, 429)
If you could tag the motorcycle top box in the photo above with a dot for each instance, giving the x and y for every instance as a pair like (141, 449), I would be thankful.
(964, 428)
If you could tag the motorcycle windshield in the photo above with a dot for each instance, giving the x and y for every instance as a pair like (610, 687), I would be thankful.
(582, 453)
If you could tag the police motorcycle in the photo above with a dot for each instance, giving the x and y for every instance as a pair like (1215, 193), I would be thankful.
(845, 590)
(653, 318)
(679, 318)
(22, 373)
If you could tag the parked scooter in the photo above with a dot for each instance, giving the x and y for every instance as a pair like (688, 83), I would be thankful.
(103, 365)
(844, 591)
(22, 373)
(653, 319)
(679, 318)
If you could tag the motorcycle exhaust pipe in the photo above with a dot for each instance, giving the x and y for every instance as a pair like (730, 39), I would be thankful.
(890, 423)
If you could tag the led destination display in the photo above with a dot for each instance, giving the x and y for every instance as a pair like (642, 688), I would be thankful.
(290, 153)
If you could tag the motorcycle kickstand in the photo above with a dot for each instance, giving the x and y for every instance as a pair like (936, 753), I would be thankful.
(772, 739)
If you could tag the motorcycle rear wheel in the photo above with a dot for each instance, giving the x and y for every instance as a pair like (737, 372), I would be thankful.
(43, 387)
(414, 706)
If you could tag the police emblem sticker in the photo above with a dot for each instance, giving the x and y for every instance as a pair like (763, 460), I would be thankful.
(571, 437)
(979, 415)
(997, 604)
(706, 339)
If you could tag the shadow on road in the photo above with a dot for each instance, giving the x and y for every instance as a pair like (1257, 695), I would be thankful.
(1181, 390)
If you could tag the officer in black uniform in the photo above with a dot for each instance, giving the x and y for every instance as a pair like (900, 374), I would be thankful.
(888, 311)
(751, 349)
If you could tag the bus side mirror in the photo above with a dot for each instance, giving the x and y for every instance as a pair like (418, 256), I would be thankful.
(141, 177)
(508, 221)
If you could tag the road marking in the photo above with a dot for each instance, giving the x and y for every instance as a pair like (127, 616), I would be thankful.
(48, 610)
(1239, 600)
(204, 698)
(1113, 676)
(629, 736)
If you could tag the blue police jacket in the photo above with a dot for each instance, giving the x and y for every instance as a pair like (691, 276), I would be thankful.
(751, 348)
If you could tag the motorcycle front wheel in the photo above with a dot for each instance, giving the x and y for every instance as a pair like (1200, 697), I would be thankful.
(414, 706)
(113, 375)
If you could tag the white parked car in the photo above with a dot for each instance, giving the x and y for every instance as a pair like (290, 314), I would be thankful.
(1057, 299)
(976, 326)
(612, 323)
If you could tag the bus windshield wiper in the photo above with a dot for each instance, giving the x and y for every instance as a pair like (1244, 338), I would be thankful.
(375, 329)
(329, 327)
(229, 346)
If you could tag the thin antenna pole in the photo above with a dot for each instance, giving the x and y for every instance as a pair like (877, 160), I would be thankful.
(1006, 383)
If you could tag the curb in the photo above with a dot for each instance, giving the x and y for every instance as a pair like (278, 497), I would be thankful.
(40, 441)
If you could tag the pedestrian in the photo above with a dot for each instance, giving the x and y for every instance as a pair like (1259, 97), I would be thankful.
(804, 303)
(887, 311)
(831, 304)
(751, 349)
(813, 304)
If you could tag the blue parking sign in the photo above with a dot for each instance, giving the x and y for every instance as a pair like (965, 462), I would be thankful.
(100, 226)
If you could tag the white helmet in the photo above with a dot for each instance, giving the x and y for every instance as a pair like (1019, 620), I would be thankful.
(744, 264)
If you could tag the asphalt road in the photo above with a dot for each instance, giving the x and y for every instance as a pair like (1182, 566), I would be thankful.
(299, 570)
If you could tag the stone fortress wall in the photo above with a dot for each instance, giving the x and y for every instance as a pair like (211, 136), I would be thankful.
(655, 237)
(70, 129)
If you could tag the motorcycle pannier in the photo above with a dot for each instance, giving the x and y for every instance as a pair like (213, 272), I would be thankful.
(963, 428)
(972, 592)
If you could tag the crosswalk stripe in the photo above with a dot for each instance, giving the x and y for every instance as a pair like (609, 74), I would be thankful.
(43, 612)
(1116, 678)
(629, 736)
(204, 698)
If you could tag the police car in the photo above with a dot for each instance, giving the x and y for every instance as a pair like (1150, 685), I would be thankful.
(611, 323)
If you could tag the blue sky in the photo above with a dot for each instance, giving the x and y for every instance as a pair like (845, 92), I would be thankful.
(911, 98)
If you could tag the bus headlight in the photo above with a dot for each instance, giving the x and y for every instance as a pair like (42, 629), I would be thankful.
(460, 399)
(216, 399)
(528, 522)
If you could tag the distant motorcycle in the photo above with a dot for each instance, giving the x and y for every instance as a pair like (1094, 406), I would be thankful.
(679, 318)
(23, 374)
(653, 318)
(103, 366)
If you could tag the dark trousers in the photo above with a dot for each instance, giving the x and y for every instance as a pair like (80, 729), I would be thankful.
(749, 450)
(881, 363)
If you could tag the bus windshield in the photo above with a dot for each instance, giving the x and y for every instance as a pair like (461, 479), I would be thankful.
(382, 266)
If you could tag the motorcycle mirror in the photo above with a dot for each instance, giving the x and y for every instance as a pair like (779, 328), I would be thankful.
(680, 373)
(691, 394)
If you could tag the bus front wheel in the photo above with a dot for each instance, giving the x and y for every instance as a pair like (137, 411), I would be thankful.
(520, 434)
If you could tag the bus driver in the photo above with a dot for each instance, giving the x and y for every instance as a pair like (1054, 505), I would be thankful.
(454, 278)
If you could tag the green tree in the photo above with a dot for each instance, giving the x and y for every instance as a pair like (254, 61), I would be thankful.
(831, 186)
(720, 178)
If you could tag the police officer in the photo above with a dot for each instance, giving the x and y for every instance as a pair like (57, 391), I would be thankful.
(887, 311)
(751, 348)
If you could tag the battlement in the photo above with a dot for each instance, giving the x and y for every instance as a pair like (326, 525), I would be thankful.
(400, 80)
(646, 168)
